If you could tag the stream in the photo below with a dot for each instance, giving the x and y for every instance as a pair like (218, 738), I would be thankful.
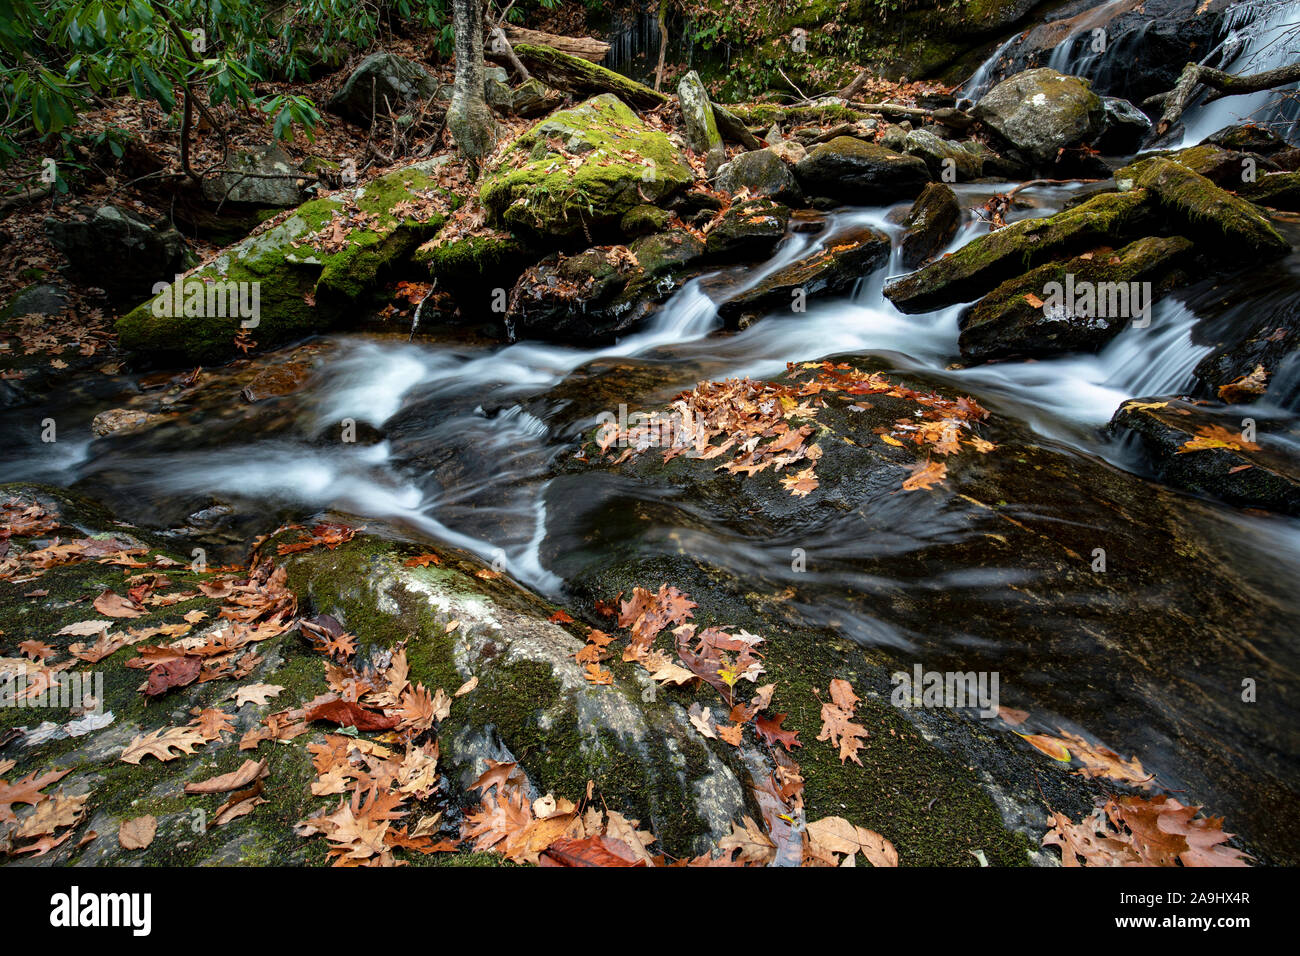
(466, 441)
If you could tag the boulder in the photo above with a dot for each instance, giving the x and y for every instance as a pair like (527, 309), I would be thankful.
(260, 178)
(301, 275)
(533, 98)
(579, 168)
(1040, 112)
(931, 223)
(1206, 451)
(833, 269)
(118, 251)
(1249, 138)
(1073, 306)
(1277, 190)
(947, 161)
(41, 298)
(603, 291)
(701, 126)
(763, 173)
(1207, 212)
(748, 230)
(383, 82)
(476, 269)
(1124, 127)
(849, 170)
(989, 260)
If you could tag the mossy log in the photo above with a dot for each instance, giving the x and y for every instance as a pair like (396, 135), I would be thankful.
(576, 75)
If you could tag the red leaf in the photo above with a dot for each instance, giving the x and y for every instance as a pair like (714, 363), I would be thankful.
(593, 851)
(174, 673)
(348, 713)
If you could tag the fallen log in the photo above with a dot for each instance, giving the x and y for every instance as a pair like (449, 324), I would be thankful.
(587, 48)
(576, 75)
(1222, 84)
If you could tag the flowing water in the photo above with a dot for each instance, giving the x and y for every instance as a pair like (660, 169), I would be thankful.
(468, 439)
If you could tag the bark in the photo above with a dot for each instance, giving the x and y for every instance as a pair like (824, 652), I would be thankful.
(1222, 84)
(588, 48)
(575, 75)
(468, 117)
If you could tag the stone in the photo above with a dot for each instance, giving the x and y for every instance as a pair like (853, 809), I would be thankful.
(851, 171)
(1045, 312)
(763, 173)
(989, 260)
(1040, 112)
(748, 230)
(946, 160)
(579, 168)
(118, 251)
(931, 223)
(701, 126)
(384, 82)
(263, 178)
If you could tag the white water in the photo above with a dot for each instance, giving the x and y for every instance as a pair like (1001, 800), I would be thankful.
(1255, 44)
(506, 448)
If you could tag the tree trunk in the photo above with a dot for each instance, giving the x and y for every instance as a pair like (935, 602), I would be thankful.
(575, 75)
(468, 117)
(1222, 84)
(587, 48)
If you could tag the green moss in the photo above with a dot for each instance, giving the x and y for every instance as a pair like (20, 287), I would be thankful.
(300, 291)
(1205, 209)
(620, 163)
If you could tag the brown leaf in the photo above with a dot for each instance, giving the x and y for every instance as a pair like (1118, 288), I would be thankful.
(138, 833)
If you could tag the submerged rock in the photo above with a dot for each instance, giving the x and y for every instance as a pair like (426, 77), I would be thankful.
(580, 168)
(1041, 111)
(1214, 452)
(931, 223)
(1074, 306)
(849, 170)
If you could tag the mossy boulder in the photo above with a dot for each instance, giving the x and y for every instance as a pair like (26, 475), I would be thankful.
(931, 223)
(306, 270)
(986, 262)
(472, 268)
(1238, 229)
(581, 168)
(1073, 306)
(946, 160)
(1040, 112)
(1207, 451)
(532, 703)
(832, 269)
(380, 83)
(701, 126)
(643, 220)
(851, 170)
(1276, 190)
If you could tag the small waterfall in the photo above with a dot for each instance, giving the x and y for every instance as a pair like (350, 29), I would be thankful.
(1261, 35)
(990, 71)
(634, 40)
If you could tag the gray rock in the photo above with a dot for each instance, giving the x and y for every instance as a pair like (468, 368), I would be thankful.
(701, 126)
(119, 252)
(764, 173)
(265, 178)
(39, 299)
(1042, 111)
(940, 155)
(383, 82)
